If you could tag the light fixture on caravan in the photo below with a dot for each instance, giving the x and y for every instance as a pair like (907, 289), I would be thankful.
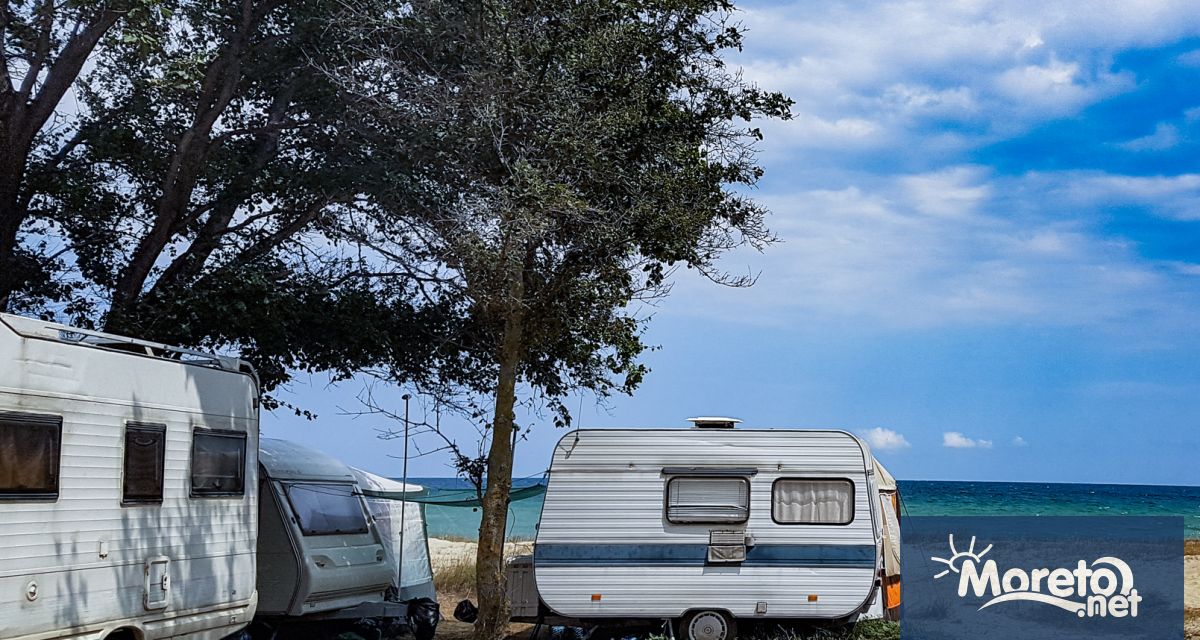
(713, 422)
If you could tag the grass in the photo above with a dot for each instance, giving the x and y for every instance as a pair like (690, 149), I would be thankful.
(868, 630)
(455, 576)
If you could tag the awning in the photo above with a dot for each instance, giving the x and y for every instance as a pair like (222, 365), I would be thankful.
(457, 498)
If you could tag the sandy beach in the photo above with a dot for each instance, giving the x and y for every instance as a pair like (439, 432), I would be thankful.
(453, 556)
(1191, 581)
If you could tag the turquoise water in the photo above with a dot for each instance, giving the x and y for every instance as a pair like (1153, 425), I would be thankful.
(920, 498)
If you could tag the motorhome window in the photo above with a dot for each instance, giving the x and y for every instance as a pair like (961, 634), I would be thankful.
(327, 509)
(29, 453)
(694, 500)
(218, 464)
(145, 450)
(812, 501)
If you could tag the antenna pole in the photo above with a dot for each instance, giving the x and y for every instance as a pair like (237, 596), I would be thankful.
(403, 503)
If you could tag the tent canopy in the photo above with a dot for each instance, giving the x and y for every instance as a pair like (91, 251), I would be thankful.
(458, 498)
(883, 478)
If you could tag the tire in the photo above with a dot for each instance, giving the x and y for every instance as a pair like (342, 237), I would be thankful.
(707, 625)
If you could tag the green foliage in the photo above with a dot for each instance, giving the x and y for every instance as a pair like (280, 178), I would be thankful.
(584, 149)
(215, 124)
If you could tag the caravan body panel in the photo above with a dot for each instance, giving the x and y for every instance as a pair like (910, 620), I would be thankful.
(87, 560)
(321, 551)
(606, 547)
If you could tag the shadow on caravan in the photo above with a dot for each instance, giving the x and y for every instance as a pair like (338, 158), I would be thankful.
(702, 528)
(127, 496)
(130, 504)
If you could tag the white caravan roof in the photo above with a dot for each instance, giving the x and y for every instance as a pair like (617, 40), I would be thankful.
(44, 330)
(284, 460)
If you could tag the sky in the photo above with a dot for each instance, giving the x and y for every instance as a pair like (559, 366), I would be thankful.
(989, 264)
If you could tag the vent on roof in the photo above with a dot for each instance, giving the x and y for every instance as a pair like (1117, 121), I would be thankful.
(713, 422)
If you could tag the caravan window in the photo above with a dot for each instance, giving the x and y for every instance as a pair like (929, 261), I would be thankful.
(29, 452)
(218, 463)
(812, 501)
(694, 499)
(145, 449)
(327, 509)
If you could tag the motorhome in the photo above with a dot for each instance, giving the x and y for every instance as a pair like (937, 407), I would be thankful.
(127, 496)
(330, 556)
(704, 527)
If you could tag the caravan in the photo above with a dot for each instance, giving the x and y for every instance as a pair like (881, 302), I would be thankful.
(704, 527)
(127, 495)
(335, 546)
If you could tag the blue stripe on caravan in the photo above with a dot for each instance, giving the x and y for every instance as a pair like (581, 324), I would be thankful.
(664, 555)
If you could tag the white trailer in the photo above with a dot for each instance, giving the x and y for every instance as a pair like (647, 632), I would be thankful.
(327, 554)
(705, 526)
(127, 495)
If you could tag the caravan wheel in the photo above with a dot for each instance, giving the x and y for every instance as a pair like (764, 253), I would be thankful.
(707, 625)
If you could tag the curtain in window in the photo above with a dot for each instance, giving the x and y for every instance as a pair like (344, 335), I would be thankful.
(708, 499)
(29, 449)
(797, 501)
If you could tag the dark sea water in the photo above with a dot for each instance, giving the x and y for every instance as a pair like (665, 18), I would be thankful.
(926, 498)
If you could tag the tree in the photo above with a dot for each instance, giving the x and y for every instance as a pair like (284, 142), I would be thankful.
(582, 150)
(44, 46)
(205, 190)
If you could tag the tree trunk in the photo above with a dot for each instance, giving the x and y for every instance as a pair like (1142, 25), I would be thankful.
(12, 214)
(492, 623)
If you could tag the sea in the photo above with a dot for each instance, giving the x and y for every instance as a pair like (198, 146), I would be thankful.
(920, 498)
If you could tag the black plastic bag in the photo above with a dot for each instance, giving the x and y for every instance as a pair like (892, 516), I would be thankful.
(466, 612)
(423, 617)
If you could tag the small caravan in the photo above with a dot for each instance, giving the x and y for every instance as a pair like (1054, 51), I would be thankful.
(326, 552)
(704, 527)
(127, 497)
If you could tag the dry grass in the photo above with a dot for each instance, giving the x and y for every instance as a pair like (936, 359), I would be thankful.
(455, 575)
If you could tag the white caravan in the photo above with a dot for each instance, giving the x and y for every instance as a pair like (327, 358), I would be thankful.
(327, 554)
(127, 497)
(703, 527)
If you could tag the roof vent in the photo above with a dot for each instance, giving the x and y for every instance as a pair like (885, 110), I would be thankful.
(713, 422)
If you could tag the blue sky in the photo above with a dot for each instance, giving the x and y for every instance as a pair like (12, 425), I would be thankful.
(990, 266)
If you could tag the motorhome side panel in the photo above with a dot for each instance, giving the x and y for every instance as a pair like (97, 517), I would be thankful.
(606, 548)
(87, 560)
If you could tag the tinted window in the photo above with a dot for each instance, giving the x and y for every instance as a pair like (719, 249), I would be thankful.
(708, 499)
(145, 449)
(327, 509)
(803, 501)
(29, 451)
(218, 463)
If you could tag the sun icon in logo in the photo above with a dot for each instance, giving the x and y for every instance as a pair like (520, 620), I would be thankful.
(958, 557)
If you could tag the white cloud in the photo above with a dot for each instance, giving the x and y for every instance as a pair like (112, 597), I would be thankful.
(1189, 59)
(1018, 441)
(1003, 65)
(1165, 136)
(956, 440)
(1176, 197)
(955, 247)
(882, 439)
